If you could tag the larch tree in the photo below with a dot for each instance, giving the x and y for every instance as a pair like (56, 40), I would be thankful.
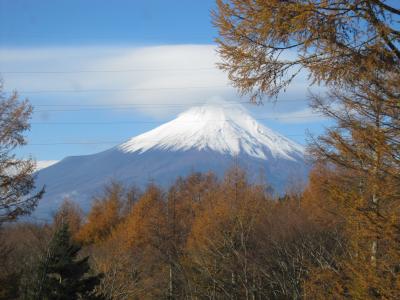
(16, 175)
(264, 44)
(363, 147)
(184, 200)
(223, 242)
(134, 257)
(104, 216)
(353, 48)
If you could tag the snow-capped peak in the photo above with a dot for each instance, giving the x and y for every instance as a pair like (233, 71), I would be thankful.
(225, 128)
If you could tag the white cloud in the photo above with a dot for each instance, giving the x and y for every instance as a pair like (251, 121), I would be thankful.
(160, 80)
(306, 115)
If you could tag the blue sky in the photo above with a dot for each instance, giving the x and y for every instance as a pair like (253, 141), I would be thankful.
(120, 22)
(98, 72)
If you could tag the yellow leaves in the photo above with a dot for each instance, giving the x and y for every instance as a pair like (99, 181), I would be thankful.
(146, 219)
(131, 253)
(323, 284)
(335, 40)
(366, 267)
(216, 239)
(103, 217)
(233, 210)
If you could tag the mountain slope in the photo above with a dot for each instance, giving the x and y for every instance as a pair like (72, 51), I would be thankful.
(227, 130)
(206, 138)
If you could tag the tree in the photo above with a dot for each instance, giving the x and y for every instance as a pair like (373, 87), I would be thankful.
(60, 275)
(132, 257)
(69, 213)
(21, 246)
(16, 175)
(225, 241)
(184, 201)
(9, 275)
(363, 150)
(353, 48)
(105, 214)
(265, 44)
(143, 257)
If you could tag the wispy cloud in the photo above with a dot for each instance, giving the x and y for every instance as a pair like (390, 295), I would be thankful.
(306, 115)
(159, 80)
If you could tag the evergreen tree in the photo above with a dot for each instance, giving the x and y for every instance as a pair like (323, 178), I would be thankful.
(60, 275)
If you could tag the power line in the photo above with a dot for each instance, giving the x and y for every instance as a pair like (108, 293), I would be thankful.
(100, 108)
(136, 104)
(109, 142)
(102, 37)
(88, 107)
(121, 90)
(74, 143)
(83, 107)
(98, 123)
(230, 103)
(110, 71)
(162, 122)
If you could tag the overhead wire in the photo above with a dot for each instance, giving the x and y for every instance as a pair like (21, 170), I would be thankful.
(125, 106)
(140, 104)
(164, 121)
(119, 89)
(111, 70)
(130, 106)
(109, 142)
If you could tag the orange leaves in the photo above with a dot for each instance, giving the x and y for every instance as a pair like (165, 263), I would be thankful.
(103, 217)
(264, 43)
(229, 239)
(146, 219)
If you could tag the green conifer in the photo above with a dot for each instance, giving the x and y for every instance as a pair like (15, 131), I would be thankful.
(60, 274)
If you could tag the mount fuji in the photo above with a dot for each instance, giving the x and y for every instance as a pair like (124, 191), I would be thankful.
(205, 138)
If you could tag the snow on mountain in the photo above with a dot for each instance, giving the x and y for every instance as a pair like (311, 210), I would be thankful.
(206, 138)
(41, 164)
(227, 130)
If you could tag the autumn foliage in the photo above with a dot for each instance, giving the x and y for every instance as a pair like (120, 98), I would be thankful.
(211, 238)
(226, 238)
